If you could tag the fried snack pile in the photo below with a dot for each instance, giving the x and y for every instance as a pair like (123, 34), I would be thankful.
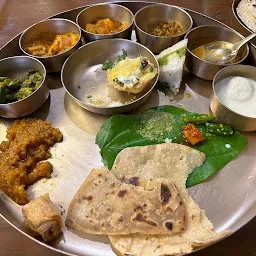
(28, 143)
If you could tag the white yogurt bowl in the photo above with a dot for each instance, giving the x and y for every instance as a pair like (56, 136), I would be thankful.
(234, 97)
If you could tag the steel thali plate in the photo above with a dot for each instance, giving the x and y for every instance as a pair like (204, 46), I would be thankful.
(229, 197)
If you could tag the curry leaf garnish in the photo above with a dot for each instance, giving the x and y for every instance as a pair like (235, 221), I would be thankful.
(109, 64)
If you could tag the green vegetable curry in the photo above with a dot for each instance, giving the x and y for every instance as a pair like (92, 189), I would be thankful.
(12, 90)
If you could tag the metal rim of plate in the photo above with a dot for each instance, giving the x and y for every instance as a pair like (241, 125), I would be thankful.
(11, 49)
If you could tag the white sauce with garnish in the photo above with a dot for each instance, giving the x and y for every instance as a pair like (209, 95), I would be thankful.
(238, 94)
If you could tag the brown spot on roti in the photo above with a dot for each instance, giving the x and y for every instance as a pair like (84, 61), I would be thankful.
(168, 225)
(134, 181)
(88, 198)
(122, 193)
(137, 208)
(157, 248)
(168, 208)
(140, 218)
(112, 185)
(165, 194)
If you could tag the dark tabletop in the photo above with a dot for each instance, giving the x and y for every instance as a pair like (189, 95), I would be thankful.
(17, 15)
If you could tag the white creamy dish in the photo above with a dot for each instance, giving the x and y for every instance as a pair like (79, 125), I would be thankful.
(238, 94)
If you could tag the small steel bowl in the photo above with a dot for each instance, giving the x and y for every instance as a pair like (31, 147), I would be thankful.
(16, 67)
(51, 26)
(101, 11)
(223, 113)
(206, 34)
(89, 82)
(151, 15)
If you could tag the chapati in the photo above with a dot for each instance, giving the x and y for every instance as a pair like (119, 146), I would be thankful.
(168, 160)
(246, 12)
(173, 162)
(104, 205)
(252, 7)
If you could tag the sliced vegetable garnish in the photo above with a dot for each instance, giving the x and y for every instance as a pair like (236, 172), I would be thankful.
(162, 124)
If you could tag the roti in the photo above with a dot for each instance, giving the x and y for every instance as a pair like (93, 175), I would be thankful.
(175, 162)
(246, 12)
(104, 205)
(168, 160)
(252, 7)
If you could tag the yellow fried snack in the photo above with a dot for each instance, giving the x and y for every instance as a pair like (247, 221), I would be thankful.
(132, 75)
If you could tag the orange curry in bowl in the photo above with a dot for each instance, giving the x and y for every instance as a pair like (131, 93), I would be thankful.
(50, 45)
(106, 26)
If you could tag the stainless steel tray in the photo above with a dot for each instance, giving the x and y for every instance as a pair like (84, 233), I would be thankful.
(229, 197)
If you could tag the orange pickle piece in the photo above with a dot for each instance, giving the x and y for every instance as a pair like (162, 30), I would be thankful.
(192, 135)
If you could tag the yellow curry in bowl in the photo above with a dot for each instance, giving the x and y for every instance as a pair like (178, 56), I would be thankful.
(50, 45)
(199, 52)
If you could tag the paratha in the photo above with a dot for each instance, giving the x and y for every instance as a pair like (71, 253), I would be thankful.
(174, 162)
(104, 205)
